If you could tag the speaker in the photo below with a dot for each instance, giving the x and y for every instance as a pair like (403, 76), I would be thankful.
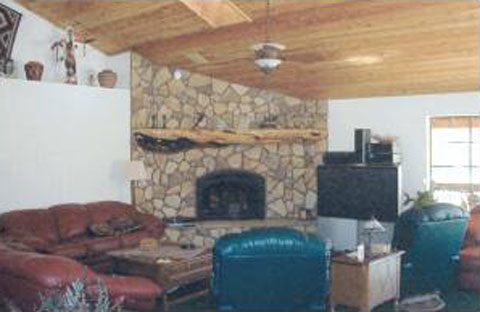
(381, 153)
(362, 144)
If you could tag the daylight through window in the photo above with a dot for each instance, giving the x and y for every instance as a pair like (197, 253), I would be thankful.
(455, 159)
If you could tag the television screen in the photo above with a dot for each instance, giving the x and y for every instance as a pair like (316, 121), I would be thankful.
(359, 192)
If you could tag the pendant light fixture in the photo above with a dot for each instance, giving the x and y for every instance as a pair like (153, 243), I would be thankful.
(268, 53)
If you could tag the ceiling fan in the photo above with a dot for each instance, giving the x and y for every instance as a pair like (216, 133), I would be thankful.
(268, 54)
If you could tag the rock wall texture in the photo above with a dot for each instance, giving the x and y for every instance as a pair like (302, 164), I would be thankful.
(159, 100)
(205, 234)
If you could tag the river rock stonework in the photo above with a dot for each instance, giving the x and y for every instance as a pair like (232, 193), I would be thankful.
(160, 100)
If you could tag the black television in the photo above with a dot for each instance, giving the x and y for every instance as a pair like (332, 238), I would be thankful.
(359, 191)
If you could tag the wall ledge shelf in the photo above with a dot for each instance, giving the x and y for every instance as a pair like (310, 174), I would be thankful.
(176, 140)
(40, 83)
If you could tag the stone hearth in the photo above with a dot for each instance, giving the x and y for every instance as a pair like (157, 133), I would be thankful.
(204, 233)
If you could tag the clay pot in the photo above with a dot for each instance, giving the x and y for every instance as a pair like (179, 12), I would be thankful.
(34, 70)
(107, 78)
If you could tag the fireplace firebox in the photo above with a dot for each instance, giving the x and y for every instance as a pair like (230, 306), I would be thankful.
(231, 194)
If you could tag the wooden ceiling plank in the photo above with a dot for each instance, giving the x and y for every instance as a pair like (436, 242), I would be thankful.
(217, 13)
(368, 91)
(420, 52)
(257, 9)
(469, 73)
(164, 22)
(393, 79)
(118, 11)
(423, 46)
(329, 24)
(248, 33)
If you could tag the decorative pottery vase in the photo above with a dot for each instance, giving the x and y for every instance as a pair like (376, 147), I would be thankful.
(107, 78)
(34, 70)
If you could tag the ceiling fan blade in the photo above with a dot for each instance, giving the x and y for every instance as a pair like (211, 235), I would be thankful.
(305, 57)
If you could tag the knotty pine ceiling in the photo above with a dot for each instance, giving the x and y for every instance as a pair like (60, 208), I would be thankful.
(335, 48)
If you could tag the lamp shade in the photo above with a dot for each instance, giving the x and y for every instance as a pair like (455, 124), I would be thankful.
(373, 225)
(135, 170)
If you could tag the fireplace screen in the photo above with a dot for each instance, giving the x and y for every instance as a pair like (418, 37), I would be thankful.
(231, 195)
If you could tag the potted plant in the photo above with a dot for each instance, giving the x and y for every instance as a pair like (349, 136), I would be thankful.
(76, 298)
(422, 199)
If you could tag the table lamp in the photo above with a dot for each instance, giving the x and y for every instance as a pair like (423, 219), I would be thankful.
(370, 228)
(135, 171)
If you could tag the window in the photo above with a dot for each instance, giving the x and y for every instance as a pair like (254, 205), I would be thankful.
(455, 159)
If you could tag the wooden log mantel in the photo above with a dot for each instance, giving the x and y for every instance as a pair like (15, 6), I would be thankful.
(175, 140)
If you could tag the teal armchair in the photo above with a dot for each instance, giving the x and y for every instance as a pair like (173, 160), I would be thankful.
(270, 269)
(431, 237)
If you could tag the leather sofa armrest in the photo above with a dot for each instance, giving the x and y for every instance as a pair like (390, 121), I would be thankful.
(154, 226)
(469, 241)
(47, 271)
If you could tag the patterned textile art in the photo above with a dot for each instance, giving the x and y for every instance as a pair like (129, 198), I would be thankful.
(9, 21)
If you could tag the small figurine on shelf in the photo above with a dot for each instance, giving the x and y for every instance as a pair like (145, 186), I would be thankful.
(65, 52)
(70, 62)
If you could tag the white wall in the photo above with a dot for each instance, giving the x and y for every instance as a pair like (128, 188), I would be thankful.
(62, 143)
(34, 39)
(404, 117)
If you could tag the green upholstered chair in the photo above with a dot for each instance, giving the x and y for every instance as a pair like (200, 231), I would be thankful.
(270, 269)
(431, 237)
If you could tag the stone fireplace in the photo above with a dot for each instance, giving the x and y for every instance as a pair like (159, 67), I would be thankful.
(286, 170)
(230, 194)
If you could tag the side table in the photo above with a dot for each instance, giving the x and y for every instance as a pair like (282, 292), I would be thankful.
(364, 285)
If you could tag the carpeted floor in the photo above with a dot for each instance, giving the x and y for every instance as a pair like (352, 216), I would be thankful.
(455, 302)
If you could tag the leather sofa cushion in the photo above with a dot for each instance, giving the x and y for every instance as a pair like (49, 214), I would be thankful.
(72, 220)
(470, 258)
(11, 243)
(34, 242)
(3, 246)
(473, 230)
(38, 223)
(133, 287)
(133, 239)
(101, 263)
(23, 294)
(102, 212)
(103, 244)
(71, 250)
(469, 280)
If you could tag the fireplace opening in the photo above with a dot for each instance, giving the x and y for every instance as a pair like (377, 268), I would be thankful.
(231, 194)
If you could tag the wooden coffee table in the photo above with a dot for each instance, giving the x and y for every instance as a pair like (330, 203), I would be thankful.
(182, 273)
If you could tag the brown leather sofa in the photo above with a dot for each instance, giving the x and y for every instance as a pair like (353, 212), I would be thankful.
(42, 250)
(469, 277)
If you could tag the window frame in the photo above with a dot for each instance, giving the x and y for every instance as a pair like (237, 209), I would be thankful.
(468, 188)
